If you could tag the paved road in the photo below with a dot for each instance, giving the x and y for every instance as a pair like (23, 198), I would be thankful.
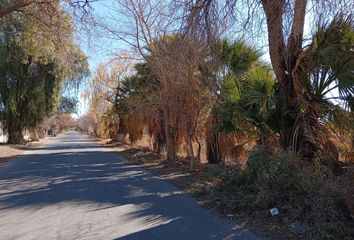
(72, 188)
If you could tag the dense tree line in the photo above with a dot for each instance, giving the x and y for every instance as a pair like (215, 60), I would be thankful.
(192, 85)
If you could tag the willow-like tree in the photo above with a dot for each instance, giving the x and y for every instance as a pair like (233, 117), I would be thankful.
(167, 95)
(36, 60)
(104, 85)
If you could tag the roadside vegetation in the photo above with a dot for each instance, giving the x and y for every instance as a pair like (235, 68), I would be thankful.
(194, 87)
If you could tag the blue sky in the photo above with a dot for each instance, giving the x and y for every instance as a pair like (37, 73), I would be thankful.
(99, 49)
(96, 50)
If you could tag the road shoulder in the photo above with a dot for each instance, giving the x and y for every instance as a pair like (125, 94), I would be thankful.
(9, 152)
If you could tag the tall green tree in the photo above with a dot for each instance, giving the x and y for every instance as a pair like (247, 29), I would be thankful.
(34, 67)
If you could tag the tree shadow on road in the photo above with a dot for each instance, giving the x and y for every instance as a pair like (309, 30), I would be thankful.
(95, 176)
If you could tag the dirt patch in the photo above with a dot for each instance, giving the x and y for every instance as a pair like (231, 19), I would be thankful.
(8, 152)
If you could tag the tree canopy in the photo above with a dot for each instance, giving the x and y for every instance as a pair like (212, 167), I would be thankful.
(36, 60)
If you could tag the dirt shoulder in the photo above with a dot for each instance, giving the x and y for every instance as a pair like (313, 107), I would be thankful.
(178, 173)
(9, 152)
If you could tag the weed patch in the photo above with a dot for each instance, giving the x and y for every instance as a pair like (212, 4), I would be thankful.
(313, 203)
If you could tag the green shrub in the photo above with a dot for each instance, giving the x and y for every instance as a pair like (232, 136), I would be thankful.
(273, 179)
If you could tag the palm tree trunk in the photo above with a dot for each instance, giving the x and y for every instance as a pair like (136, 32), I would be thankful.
(284, 58)
(122, 131)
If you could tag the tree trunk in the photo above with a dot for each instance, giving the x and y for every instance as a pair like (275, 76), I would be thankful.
(122, 131)
(14, 128)
(159, 142)
(284, 60)
(214, 154)
(159, 138)
(170, 138)
(307, 144)
(34, 136)
(191, 152)
(170, 147)
(15, 136)
(199, 151)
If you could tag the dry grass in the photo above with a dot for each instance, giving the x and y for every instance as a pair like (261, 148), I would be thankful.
(9, 152)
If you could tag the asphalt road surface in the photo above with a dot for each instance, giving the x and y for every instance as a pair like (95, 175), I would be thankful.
(73, 188)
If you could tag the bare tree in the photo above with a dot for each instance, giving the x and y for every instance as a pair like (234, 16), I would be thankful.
(145, 23)
(153, 30)
(185, 96)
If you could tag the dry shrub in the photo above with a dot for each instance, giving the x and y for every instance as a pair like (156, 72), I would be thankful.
(303, 192)
(233, 148)
(339, 146)
(135, 127)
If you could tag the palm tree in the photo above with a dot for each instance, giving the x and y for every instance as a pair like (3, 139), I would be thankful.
(326, 71)
(235, 111)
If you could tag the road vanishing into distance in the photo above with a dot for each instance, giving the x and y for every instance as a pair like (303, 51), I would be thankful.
(74, 188)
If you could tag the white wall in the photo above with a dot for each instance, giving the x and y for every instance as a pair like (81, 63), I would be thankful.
(26, 135)
(3, 136)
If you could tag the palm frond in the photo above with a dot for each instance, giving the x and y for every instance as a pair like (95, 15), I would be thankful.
(330, 68)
